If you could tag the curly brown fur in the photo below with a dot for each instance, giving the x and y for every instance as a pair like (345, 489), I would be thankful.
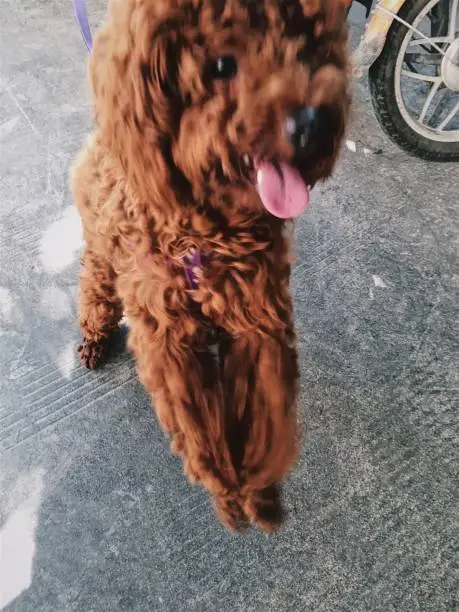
(162, 174)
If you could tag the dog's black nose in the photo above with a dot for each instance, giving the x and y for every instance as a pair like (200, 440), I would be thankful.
(299, 127)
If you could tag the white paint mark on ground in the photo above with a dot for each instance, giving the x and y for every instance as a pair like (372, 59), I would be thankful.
(55, 304)
(350, 144)
(6, 305)
(66, 360)
(17, 543)
(8, 126)
(61, 242)
(378, 282)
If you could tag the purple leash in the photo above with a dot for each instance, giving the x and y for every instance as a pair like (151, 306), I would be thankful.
(83, 21)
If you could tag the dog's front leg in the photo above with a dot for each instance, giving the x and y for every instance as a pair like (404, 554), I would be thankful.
(184, 379)
(259, 379)
(100, 308)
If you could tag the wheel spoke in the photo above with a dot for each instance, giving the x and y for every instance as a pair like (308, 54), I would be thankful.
(434, 40)
(433, 90)
(420, 77)
(447, 119)
(437, 104)
(412, 27)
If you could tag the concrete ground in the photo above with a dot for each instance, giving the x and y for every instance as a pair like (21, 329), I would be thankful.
(96, 515)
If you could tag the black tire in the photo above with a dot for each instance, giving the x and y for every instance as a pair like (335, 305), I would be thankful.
(382, 89)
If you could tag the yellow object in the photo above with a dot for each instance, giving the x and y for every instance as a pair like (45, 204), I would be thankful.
(375, 34)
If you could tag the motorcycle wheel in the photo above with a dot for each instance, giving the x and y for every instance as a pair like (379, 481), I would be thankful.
(414, 94)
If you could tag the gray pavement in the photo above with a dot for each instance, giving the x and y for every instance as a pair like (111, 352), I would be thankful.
(96, 515)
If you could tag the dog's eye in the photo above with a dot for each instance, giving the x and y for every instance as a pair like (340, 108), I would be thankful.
(225, 67)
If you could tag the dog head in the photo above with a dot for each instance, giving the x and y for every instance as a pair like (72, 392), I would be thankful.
(253, 93)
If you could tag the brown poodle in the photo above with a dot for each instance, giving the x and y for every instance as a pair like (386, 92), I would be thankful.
(212, 119)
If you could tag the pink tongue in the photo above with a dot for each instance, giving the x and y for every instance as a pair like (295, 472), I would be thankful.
(282, 191)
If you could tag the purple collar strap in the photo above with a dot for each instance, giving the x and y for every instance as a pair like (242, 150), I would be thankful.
(83, 21)
(193, 263)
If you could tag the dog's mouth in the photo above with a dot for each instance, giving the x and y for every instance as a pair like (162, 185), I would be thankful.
(282, 190)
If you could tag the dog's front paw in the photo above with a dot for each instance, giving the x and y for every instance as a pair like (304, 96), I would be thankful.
(93, 354)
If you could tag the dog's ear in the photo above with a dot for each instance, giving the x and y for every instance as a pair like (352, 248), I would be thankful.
(160, 76)
(134, 75)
